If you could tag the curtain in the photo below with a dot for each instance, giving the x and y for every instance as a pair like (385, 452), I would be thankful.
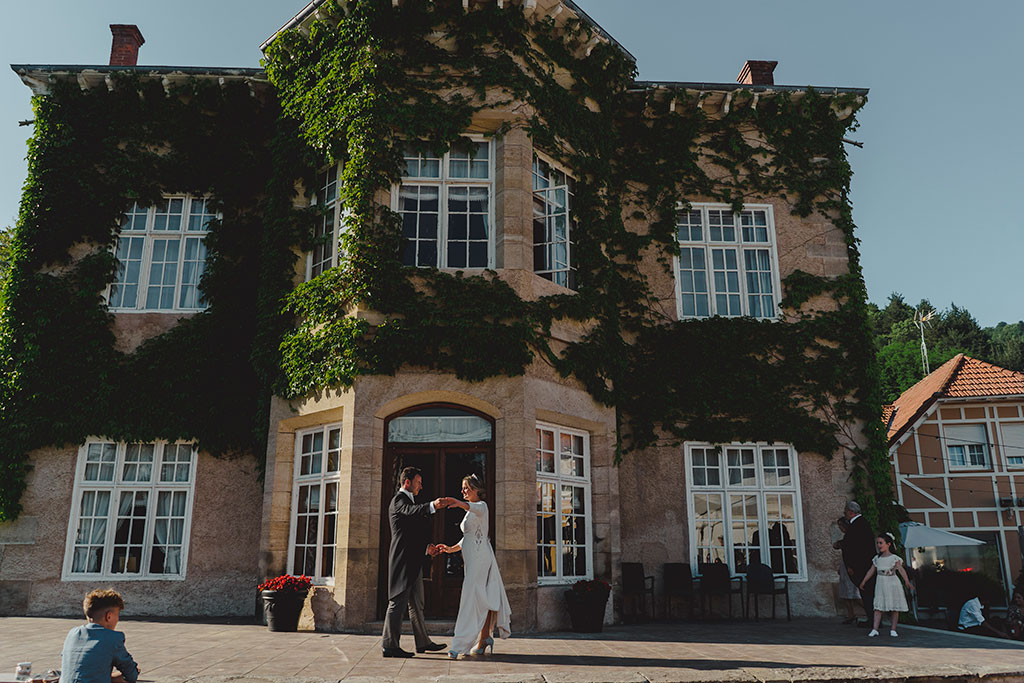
(417, 429)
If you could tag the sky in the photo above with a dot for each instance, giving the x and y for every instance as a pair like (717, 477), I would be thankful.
(935, 187)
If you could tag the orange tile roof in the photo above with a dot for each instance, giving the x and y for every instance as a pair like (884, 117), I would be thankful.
(959, 377)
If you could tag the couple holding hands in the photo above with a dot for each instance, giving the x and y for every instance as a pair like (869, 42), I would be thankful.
(483, 604)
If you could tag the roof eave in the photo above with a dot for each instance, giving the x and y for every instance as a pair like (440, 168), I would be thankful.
(39, 77)
(728, 87)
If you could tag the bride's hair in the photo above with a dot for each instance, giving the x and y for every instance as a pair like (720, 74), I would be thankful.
(476, 484)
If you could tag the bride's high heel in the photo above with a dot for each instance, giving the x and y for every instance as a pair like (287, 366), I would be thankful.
(483, 650)
(452, 654)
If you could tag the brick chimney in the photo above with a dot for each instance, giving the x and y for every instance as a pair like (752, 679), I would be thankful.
(756, 72)
(124, 50)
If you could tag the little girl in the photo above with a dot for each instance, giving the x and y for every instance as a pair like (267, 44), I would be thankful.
(888, 589)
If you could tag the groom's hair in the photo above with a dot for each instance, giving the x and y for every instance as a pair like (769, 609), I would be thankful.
(408, 474)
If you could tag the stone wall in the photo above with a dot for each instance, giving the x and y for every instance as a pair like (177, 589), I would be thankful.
(220, 575)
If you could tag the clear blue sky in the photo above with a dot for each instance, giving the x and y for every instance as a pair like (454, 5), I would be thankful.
(938, 185)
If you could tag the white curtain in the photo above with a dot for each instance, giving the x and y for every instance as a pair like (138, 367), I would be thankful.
(423, 429)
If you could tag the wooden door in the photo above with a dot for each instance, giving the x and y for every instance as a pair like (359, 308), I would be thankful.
(443, 466)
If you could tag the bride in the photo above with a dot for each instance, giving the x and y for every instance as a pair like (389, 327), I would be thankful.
(483, 604)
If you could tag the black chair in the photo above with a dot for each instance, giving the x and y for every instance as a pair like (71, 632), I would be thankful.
(635, 583)
(678, 584)
(761, 581)
(715, 580)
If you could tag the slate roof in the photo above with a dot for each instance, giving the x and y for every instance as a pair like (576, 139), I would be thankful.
(959, 377)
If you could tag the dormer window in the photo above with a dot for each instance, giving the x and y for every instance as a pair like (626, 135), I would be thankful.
(446, 204)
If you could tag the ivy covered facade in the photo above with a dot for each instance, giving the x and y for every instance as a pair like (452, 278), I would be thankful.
(456, 235)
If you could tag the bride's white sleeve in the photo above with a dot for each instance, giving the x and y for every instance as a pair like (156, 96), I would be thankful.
(479, 508)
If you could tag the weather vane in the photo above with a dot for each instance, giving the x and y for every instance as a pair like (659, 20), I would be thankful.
(921, 319)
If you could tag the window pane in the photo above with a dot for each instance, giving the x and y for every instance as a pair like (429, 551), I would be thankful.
(419, 208)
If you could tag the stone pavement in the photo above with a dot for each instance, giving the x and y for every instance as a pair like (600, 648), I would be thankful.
(802, 650)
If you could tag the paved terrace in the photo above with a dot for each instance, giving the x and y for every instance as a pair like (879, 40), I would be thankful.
(802, 650)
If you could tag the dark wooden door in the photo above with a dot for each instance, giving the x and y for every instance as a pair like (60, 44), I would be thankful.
(443, 466)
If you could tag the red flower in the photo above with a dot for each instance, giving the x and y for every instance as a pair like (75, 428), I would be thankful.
(286, 582)
(593, 587)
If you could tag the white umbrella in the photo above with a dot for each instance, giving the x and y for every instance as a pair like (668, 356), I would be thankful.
(917, 535)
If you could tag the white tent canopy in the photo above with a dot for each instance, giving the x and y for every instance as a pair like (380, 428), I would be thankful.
(917, 535)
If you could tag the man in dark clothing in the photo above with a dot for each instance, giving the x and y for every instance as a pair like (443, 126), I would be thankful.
(410, 536)
(858, 551)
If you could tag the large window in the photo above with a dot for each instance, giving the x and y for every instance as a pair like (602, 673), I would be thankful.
(314, 524)
(744, 507)
(553, 248)
(131, 511)
(445, 204)
(966, 446)
(564, 537)
(161, 256)
(325, 234)
(727, 262)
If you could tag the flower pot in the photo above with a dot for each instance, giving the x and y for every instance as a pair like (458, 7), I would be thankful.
(586, 611)
(282, 609)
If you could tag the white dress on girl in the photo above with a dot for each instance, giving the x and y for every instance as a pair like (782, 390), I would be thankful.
(889, 595)
(482, 589)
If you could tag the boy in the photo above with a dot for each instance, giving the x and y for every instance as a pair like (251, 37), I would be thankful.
(92, 651)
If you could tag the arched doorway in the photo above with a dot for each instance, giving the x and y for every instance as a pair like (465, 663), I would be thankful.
(447, 442)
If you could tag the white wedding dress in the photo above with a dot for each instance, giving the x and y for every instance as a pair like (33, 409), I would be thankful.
(482, 589)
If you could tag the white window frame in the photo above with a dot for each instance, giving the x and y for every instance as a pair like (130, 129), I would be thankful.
(558, 479)
(1013, 451)
(332, 217)
(444, 183)
(953, 437)
(116, 486)
(149, 236)
(323, 478)
(570, 273)
(739, 245)
(760, 489)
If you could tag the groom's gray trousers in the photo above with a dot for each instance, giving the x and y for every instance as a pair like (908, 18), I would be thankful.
(411, 598)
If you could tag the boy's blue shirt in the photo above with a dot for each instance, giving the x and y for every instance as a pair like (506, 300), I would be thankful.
(91, 651)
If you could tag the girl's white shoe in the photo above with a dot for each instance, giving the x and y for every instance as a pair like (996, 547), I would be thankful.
(893, 633)
(872, 633)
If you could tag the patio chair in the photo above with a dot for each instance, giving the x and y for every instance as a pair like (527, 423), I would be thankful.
(636, 583)
(678, 584)
(761, 581)
(715, 580)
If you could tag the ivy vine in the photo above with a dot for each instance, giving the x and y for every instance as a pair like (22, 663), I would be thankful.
(95, 152)
(366, 80)
(360, 84)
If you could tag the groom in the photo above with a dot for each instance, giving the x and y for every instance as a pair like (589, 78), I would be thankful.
(410, 533)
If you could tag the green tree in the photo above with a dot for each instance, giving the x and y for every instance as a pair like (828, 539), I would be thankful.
(1007, 341)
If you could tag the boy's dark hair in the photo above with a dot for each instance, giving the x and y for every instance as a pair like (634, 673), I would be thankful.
(408, 474)
(100, 601)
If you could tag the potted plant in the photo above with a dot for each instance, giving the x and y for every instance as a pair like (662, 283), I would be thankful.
(586, 601)
(283, 597)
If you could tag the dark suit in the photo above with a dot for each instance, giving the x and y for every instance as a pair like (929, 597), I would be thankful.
(410, 533)
(858, 551)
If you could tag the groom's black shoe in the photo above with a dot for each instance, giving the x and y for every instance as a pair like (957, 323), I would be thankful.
(431, 647)
(395, 652)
